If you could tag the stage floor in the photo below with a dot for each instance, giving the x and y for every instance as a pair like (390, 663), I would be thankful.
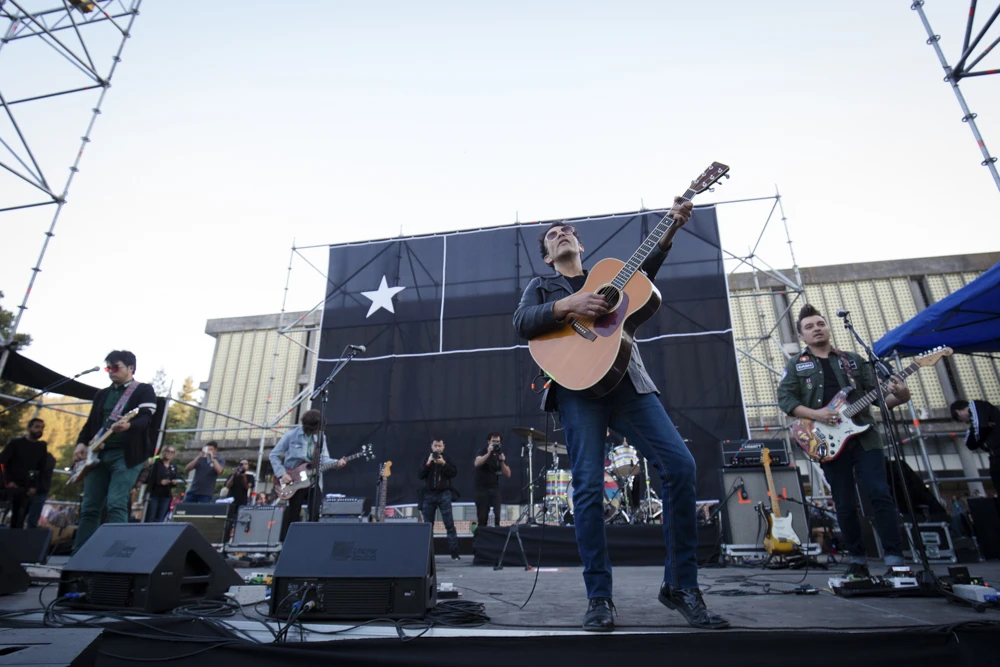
(752, 599)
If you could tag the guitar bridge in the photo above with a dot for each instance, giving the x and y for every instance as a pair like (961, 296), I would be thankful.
(583, 331)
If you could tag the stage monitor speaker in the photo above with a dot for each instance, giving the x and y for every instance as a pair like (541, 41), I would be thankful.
(210, 519)
(356, 571)
(985, 515)
(13, 578)
(257, 526)
(30, 545)
(152, 567)
(741, 524)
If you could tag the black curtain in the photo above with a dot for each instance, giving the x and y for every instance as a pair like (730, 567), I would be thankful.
(420, 380)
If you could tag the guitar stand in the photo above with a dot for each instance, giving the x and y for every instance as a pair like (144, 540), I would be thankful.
(513, 530)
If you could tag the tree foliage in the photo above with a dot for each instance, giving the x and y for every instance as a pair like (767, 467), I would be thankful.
(10, 421)
(182, 416)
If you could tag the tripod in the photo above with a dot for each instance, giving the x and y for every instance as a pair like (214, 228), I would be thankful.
(513, 530)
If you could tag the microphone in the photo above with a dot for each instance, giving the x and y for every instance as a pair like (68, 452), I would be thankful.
(90, 370)
(357, 348)
(843, 313)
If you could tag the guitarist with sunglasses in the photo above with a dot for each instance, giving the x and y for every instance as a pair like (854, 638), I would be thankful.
(810, 382)
(123, 453)
(631, 409)
(296, 447)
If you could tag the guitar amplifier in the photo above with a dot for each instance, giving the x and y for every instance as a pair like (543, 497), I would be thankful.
(257, 528)
(747, 453)
(209, 519)
(345, 507)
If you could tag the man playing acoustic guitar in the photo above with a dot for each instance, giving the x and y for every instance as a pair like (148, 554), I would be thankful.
(811, 380)
(121, 458)
(633, 410)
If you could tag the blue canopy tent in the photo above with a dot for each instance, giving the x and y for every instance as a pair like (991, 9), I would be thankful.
(966, 321)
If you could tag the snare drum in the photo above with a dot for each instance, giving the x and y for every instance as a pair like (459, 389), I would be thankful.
(625, 461)
(557, 483)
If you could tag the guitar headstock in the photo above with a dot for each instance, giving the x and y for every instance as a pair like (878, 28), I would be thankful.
(130, 415)
(366, 452)
(709, 177)
(386, 470)
(765, 457)
(931, 357)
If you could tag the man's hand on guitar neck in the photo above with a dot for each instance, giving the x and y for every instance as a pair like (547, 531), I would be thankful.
(681, 213)
(121, 426)
(581, 304)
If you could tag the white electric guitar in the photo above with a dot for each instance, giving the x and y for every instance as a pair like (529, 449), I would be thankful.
(82, 467)
(781, 537)
(824, 442)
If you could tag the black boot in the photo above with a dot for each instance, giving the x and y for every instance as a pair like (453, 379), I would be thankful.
(600, 616)
(689, 602)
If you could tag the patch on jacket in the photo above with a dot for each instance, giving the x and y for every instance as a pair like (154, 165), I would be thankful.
(809, 365)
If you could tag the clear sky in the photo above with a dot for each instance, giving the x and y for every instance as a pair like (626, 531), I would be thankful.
(233, 128)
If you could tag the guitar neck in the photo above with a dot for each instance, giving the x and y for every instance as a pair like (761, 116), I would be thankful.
(869, 398)
(333, 464)
(775, 506)
(640, 255)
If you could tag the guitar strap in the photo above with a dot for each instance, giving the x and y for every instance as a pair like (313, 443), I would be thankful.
(848, 366)
(119, 408)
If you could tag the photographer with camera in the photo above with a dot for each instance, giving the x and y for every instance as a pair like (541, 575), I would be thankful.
(207, 466)
(240, 483)
(438, 494)
(490, 464)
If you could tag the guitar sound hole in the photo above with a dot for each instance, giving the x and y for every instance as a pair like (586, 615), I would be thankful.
(611, 295)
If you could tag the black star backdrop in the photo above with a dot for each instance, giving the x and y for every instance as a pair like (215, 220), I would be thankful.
(447, 363)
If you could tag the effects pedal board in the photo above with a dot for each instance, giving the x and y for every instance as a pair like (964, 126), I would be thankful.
(901, 582)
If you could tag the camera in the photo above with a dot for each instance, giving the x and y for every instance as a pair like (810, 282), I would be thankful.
(240, 470)
(496, 448)
(435, 455)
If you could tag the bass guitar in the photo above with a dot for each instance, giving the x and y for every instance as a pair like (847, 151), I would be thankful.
(83, 466)
(302, 475)
(824, 442)
(593, 354)
(383, 484)
(781, 538)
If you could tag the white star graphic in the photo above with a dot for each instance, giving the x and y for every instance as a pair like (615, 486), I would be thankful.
(382, 297)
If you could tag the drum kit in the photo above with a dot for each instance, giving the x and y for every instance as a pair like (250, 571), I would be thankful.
(621, 474)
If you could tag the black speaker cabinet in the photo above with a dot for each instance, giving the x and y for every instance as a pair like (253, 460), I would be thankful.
(210, 519)
(985, 515)
(741, 526)
(356, 571)
(152, 567)
(13, 578)
(30, 545)
(257, 528)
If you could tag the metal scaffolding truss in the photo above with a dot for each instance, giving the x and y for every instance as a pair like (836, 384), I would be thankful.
(51, 50)
(967, 61)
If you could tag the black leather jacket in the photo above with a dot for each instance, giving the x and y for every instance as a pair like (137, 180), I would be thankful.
(534, 317)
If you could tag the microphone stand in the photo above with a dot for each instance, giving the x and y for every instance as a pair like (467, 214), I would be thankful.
(313, 500)
(46, 390)
(926, 577)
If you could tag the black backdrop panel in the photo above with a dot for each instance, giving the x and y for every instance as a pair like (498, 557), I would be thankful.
(447, 363)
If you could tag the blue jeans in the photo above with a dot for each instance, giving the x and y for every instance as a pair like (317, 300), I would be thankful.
(196, 498)
(35, 509)
(641, 419)
(156, 509)
(434, 500)
(869, 465)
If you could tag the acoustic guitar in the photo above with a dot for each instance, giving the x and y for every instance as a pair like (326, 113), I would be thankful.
(593, 354)
(824, 442)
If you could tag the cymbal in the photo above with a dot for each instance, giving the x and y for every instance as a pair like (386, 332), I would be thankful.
(529, 433)
(554, 448)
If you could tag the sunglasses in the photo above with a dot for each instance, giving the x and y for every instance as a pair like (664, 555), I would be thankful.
(555, 231)
(112, 369)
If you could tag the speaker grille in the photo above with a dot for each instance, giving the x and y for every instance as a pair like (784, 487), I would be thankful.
(360, 596)
(111, 590)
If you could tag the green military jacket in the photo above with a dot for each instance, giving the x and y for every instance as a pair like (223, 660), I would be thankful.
(802, 384)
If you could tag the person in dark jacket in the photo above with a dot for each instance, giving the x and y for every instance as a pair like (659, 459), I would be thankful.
(437, 473)
(24, 463)
(121, 458)
(164, 476)
(633, 410)
(983, 419)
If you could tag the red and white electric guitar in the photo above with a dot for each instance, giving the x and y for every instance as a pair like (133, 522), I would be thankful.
(593, 354)
(824, 442)
(303, 474)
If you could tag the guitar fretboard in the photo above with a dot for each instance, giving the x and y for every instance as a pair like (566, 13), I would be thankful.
(640, 255)
(869, 398)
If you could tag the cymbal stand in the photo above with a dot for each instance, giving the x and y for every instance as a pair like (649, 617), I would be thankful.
(531, 484)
